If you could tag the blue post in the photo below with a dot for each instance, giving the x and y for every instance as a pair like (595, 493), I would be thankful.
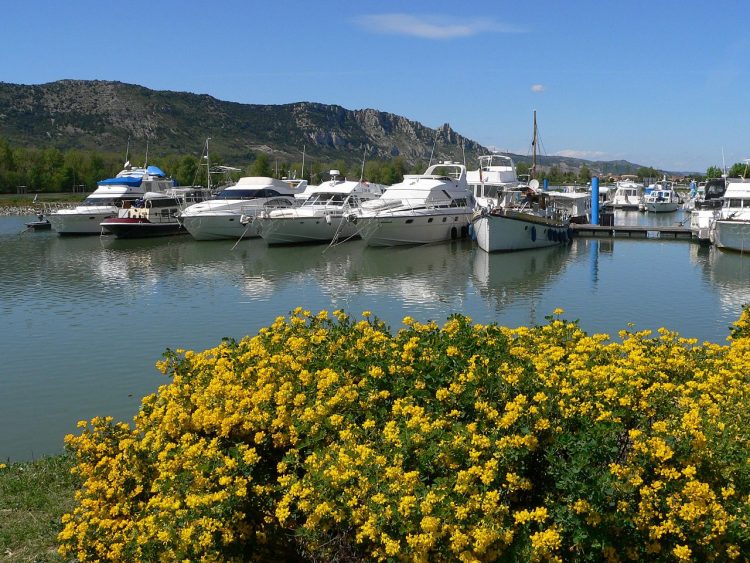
(595, 200)
(546, 185)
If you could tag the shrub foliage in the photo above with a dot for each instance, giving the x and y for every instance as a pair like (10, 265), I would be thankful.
(328, 438)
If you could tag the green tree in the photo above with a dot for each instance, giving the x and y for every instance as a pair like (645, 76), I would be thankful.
(713, 172)
(584, 174)
(261, 166)
(739, 170)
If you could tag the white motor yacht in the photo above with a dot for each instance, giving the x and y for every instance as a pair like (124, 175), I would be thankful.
(322, 215)
(628, 194)
(662, 198)
(731, 229)
(431, 207)
(222, 216)
(108, 198)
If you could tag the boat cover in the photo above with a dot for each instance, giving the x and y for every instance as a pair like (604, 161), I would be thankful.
(155, 171)
(124, 180)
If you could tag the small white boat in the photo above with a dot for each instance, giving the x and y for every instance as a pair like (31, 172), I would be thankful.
(221, 216)
(425, 208)
(321, 217)
(628, 193)
(104, 203)
(662, 198)
(731, 229)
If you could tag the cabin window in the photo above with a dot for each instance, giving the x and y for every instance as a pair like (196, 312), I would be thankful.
(409, 221)
(430, 219)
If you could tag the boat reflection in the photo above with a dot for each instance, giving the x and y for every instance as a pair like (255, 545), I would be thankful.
(727, 273)
(503, 278)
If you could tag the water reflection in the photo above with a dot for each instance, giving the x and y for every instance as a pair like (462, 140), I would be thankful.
(503, 278)
(727, 272)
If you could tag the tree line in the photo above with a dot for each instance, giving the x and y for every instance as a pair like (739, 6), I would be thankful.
(51, 170)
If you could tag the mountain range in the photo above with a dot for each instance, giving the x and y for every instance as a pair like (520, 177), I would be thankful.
(108, 116)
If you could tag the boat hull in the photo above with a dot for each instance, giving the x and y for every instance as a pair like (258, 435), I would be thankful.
(399, 230)
(305, 230)
(732, 235)
(666, 207)
(140, 228)
(507, 232)
(72, 222)
(218, 226)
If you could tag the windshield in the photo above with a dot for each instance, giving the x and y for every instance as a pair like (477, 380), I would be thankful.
(247, 194)
(325, 199)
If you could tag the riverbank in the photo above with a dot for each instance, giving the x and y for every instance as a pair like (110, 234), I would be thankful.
(33, 497)
(13, 204)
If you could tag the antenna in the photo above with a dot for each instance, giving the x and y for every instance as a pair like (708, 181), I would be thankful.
(362, 173)
(463, 150)
(723, 162)
(303, 163)
(146, 163)
(208, 166)
(434, 142)
(127, 149)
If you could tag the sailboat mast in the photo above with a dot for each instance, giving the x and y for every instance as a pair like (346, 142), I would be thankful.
(208, 166)
(533, 150)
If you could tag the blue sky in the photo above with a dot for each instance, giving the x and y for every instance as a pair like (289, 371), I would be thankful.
(661, 83)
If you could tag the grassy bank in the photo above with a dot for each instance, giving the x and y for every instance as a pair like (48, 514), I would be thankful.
(33, 497)
(27, 200)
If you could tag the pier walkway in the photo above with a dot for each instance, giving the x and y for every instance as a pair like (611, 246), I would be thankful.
(631, 231)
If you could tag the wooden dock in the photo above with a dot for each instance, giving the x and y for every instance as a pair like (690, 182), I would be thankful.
(631, 231)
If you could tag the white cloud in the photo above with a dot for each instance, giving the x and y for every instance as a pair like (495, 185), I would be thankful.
(431, 27)
(588, 155)
(537, 88)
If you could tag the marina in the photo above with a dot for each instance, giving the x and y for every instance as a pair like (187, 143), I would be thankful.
(86, 318)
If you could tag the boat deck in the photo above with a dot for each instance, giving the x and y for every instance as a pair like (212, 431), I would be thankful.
(631, 231)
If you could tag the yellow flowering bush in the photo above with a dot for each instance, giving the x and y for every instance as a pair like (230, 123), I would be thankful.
(327, 438)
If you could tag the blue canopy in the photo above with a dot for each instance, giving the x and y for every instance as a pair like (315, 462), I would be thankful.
(125, 180)
(155, 171)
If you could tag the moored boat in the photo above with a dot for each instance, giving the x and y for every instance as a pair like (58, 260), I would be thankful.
(707, 208)
(731, 229)
(222, 216)
(425, 208)
(109, 197)
(525, 218)
(322, 216)
(662, 198)
(154, 215)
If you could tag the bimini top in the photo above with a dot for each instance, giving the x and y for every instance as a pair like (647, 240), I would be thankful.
(132, 181)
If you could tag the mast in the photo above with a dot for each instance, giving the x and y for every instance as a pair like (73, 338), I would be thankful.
(208, 166)
(532, 172)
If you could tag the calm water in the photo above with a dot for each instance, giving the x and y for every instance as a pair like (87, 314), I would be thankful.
(85, 319)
